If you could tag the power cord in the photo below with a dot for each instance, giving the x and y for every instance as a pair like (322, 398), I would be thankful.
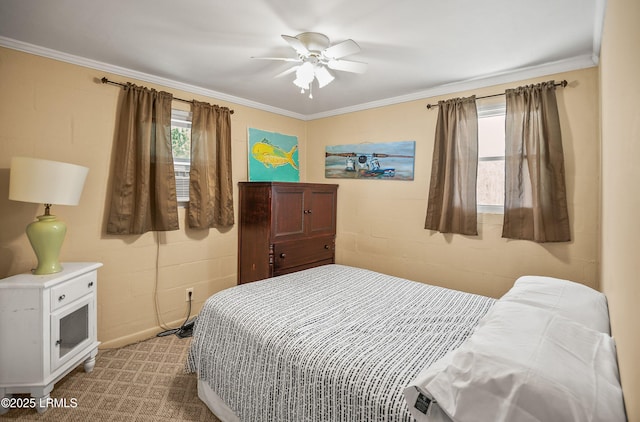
(161, 322)
(185, 330)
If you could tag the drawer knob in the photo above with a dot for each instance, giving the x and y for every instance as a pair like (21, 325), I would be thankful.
(90, 285)
(283, 255)
(59, 342)
(327, 247)
(61, 298)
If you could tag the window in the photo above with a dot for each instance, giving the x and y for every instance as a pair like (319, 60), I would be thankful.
(181, 146)
(490, 183)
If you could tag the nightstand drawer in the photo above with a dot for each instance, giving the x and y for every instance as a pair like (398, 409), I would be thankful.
(68, 292)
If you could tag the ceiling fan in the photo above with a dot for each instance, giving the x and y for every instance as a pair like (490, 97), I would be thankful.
(316, 56)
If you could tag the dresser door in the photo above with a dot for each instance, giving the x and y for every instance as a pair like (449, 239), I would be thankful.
(320, 211)
(288, 218)
(72, 330)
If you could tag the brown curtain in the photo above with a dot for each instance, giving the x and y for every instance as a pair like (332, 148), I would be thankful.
(452, 192)
(535, 193)
(143, 196)
(210, 184)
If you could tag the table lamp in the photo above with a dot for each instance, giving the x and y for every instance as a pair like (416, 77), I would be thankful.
(46, 182)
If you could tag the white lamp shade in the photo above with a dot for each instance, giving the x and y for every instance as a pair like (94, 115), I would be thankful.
(46, 182)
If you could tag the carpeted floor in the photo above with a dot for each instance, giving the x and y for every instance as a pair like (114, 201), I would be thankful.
(141, 382)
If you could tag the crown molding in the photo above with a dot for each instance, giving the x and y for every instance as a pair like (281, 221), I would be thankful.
(129, 73)
(598, 28)
(575, 63)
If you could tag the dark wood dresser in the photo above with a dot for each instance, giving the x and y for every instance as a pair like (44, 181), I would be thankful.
(285, 227)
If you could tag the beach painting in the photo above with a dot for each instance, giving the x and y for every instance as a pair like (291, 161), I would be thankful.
(273, 157)
(379, 161)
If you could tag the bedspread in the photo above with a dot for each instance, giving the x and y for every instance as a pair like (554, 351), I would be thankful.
(333, 343)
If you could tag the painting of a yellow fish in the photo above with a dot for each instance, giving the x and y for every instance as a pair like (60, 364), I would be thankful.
(272, 156)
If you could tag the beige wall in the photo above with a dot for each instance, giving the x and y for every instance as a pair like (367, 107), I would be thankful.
(620, 86)
(59, 111)
(380, 223)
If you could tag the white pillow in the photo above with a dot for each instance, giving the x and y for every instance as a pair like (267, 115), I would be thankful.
(572, 300)
(524, 364)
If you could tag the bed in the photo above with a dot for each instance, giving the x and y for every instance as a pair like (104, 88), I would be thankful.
(337, 343)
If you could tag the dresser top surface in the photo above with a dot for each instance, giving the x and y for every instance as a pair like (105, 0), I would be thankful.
(69, 270)
(293, 184)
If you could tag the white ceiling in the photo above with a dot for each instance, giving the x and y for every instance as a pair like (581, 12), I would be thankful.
(414, 48)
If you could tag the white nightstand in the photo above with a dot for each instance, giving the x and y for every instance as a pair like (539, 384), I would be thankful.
(47, 328)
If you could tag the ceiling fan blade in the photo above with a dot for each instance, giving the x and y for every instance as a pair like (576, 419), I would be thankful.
(286, 72)
(345, 48)
(296, 44)
(347, 66)
(286, 59)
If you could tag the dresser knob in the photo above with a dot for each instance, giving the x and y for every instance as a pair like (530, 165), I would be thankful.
(283, 255)
(61, 298)
(327, 247)
(90, 285)
(59, 342)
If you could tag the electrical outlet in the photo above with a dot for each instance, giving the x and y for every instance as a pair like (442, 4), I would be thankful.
(188, 291)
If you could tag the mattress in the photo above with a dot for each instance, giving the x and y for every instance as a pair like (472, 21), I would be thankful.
(332, 343)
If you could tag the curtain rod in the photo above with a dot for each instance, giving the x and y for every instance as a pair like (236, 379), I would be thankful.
(562, 84)
(107, 81)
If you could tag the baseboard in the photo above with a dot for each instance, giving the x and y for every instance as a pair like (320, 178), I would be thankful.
(137, 336)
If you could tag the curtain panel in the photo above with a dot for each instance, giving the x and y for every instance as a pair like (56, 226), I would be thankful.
(143, 195)
(535, 192)
(452, 191)
(210, 181)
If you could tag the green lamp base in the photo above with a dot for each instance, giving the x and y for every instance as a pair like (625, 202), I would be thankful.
(46, 236)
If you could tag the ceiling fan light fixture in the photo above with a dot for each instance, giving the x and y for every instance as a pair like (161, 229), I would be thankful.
(305, 72)
(323, 76)
(304, 76)
(301, 84)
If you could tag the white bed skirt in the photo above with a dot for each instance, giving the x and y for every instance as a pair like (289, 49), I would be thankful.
(215, 403)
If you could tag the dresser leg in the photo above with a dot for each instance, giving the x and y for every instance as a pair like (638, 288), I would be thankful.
(41, 406)
(90, 362)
